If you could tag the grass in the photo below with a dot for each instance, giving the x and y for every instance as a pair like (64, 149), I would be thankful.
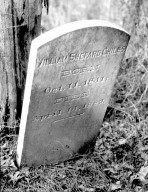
(119, 162)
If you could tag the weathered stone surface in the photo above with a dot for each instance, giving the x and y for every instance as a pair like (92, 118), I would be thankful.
(71, 73)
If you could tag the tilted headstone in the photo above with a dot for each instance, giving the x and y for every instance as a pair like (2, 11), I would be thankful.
(71, 73)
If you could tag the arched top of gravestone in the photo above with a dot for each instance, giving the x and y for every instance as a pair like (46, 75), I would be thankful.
(70, 27)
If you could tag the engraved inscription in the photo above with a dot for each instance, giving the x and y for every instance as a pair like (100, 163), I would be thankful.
(48, 116)
(53, 90)
(71, 57)
(88, 105)
(75, 85)
(70, 97)
(68, 117)
(75, 109)
(80, 70)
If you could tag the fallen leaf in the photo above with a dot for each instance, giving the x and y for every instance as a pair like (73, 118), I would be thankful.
(142, 173)
(115, 186)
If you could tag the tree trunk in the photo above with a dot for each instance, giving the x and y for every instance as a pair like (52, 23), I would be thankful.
(20, 22)
(136, 24)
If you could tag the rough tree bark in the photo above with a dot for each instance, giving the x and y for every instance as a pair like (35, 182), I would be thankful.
(20, 23)
(135, 22)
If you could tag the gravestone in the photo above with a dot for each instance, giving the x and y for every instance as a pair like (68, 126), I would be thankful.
(71, 73)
